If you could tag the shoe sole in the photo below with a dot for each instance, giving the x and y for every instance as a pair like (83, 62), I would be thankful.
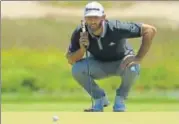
(118, 111)
(90, 110)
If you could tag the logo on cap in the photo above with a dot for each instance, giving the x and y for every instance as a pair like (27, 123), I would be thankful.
(88, 9)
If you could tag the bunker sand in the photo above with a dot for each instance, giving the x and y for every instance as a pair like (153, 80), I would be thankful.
(90, 118)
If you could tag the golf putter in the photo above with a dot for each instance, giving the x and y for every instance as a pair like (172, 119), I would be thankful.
(87, 62)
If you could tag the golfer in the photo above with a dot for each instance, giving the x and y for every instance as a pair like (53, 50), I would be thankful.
(110, 55)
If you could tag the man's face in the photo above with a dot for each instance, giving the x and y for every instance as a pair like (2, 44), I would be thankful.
(94, 22)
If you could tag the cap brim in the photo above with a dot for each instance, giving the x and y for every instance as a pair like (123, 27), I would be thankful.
(93, 14)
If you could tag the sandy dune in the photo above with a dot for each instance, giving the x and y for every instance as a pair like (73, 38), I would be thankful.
(141, 9)
(167, 12)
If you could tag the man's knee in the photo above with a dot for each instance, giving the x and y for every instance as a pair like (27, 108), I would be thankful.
(78, 69)
(133, 70)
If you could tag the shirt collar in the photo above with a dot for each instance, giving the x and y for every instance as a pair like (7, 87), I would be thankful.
(104, 24)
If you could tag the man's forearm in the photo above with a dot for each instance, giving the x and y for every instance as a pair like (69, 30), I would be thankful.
(75, 56)
(147, 36)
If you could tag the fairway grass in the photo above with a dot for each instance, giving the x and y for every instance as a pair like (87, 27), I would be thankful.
(79, 106)
(90, 118)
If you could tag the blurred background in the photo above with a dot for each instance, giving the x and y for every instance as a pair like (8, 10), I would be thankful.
(35, 36)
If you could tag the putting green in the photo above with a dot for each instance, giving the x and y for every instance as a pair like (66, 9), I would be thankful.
(90, 118)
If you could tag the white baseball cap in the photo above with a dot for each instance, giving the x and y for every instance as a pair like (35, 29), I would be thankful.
(93, 9)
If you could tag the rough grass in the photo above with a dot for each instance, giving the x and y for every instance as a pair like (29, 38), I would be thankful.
(33, 57)
(49, 71)
(56, 32)
(77, 4)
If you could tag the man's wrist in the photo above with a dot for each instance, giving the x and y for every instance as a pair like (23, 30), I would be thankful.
(138, 58)
(83, 50)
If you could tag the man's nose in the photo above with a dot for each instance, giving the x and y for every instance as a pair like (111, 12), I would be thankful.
(92, 21)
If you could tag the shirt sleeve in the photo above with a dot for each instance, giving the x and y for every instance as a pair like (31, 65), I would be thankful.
(74, 44)
(129, 29)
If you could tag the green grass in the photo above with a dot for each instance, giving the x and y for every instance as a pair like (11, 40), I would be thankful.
(36, 117)
(37, 34)
(79, 106)
(33, 53)
(82, 96)
(46, 33)
(49, 72)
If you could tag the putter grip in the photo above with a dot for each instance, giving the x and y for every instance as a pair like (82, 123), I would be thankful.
(83, 28)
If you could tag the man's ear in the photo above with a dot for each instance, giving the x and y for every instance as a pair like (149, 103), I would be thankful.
(104, 17)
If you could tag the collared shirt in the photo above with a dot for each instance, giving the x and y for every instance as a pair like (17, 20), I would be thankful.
(112, 45)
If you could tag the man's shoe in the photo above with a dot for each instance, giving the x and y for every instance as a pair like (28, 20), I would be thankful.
(94, 109)
(99, 105)
(119, 105)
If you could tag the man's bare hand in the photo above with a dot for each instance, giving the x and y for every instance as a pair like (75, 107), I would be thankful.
(84, 41)
(129, 60)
